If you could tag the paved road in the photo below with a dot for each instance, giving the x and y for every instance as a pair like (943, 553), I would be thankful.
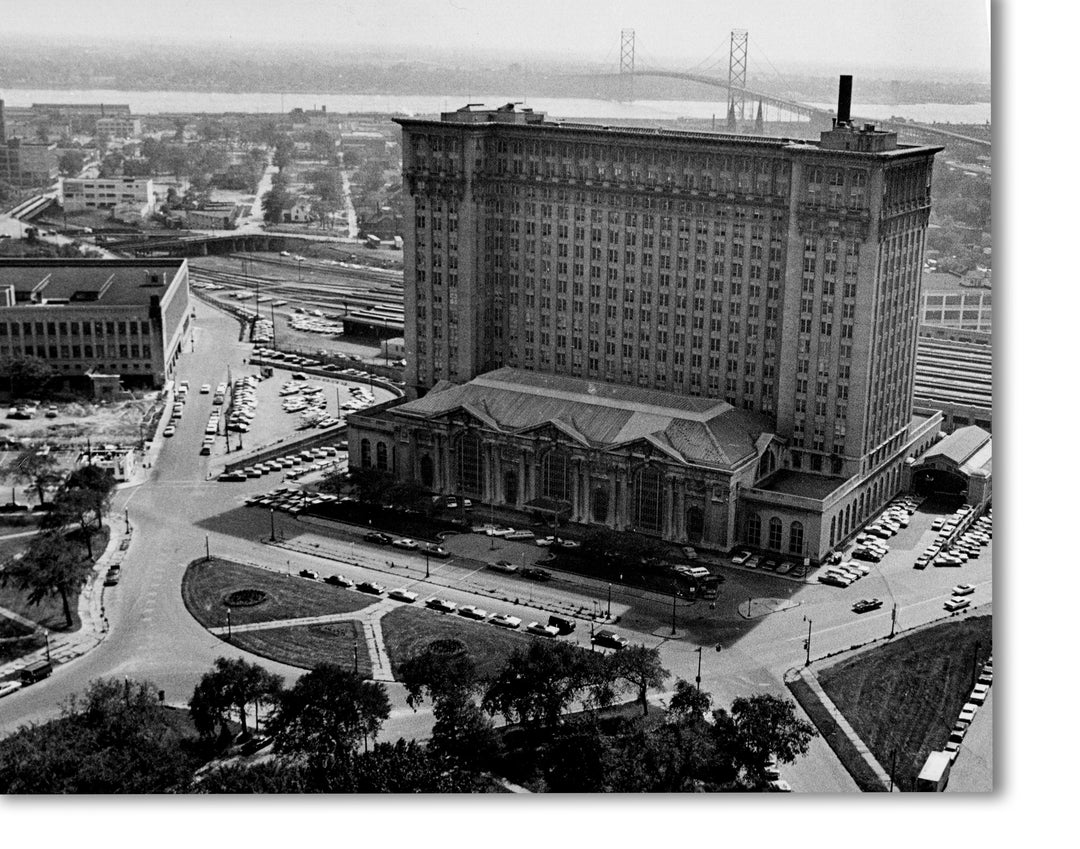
(178, 510)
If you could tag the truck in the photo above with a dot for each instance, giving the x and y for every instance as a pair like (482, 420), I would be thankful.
(35, 672)
(710, 588)
(935, 773)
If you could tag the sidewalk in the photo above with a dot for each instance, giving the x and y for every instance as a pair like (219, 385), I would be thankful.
(94, 624)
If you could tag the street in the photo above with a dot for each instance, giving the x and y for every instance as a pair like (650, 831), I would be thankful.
(177, 512)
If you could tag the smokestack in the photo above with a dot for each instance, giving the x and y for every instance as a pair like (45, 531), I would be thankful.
(843, 106)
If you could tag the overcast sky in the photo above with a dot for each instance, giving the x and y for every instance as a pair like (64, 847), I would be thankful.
(926, 34)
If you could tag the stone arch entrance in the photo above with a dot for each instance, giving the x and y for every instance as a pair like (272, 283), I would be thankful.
(427, 472)
(695, 524)
(510, 487)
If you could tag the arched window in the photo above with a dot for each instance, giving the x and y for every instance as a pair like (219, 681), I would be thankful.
(795, 538)
(365, 454)
(555, 475)
(649, 500)
(753, 530)
(776, 534)
(832, 532)
(600, 504)
(427, 472)
(380, 456)
(470, 464)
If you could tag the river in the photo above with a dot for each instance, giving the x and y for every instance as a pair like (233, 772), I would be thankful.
(154, 102)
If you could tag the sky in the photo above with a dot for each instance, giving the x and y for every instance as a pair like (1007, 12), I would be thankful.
(916, 34)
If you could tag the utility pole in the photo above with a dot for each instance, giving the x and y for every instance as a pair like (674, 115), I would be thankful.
(427, 564)
(273, 538)
(674, 591)
(208, 546)
(697, 680)
(892, 631)
(809, 631)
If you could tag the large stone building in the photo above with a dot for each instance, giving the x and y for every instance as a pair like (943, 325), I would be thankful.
(780, 276)
(79, 193)
(128, 317)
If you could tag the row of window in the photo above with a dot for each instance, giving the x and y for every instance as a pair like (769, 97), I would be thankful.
(78, 352)
(75, 328)
(775, 540)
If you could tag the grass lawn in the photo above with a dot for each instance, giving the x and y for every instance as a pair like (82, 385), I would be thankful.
(307, 645)
(207, 583)
(10, 628)
(16, 648)
(905, 696)
(49, 612)
(406, 631)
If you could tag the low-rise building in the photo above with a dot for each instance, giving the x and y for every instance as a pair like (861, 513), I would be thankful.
(26, 164)
(130, 317)
(213, 217)
(686, 469)
(118, 127)
(79, 193)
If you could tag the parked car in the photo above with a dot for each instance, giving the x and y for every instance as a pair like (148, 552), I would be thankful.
(610, 640)
(436, 551)
(503, 566)
(339, 581)
(170, 430)
(378, 538)
(740, 556)
(471, 611)
(534, 573)
(8, 687)
(956, 603)
(504, 620)
(689, 553)
(309, 573)
(963, 589)
(402, 594)
(112, 577)
(541, 630)
(562, 624)
(519, 535)
(406, 543)
(544, 542)
(866, 604)
(370, 587)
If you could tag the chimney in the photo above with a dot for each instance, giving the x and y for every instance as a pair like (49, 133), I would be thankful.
(843, 106)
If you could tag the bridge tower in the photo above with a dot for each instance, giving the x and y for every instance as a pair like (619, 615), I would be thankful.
(626, 63)
(737, 74)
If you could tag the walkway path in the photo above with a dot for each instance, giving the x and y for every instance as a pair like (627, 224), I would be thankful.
(811, 680)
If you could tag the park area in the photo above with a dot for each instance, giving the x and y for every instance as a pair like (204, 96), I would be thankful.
(209, 586)
(408, 631)
(904, 697)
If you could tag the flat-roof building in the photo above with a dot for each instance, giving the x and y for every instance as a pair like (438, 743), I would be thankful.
(129, 317)
(78, 193)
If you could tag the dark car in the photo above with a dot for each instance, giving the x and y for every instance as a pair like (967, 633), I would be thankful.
(338, 581)
(112, 577)
(309, 573)
(436, 551)
(370, 587)
(378, 538)
(564, 625)
(610, 640)
(770, 563)
(535, 574)
(866, 604)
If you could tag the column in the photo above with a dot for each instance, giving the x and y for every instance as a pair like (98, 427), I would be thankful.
(586, 500)
(680, 515)
(667, 507)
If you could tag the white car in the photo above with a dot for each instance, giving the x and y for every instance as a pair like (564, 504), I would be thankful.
(962, 590)
(204, 389)
(542, 630)
(408, 544)
(955, 603)
(471, 611)
(740, 557)
(505, 621)
(8, 687)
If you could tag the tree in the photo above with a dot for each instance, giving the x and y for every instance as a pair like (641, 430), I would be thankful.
(70, 162)
(328, 713)
(99, 482)
(688, 702)
(25, 375)
(38, 470)
(444, 672)
(640, 668)
(73, 506)
(760, 726)
(115, 738)
(50, 566)
(233, 684)
(538, 683)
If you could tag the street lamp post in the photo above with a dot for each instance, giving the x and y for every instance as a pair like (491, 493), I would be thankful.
(228, 621)
(208, 546)
(48, 650)
(697, 680)
(809, 631)
(674, 589)
(127, 523)
(273, 537)
(427, 564)
(609, 600)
